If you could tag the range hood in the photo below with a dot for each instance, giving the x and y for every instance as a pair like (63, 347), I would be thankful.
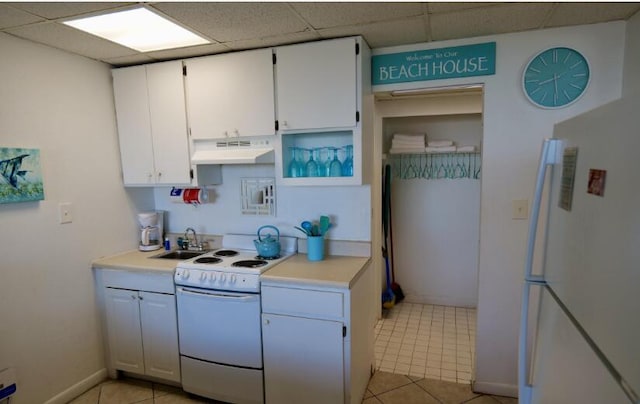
(233, 152)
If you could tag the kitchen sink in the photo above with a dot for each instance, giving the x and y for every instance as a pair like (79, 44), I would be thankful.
(180, 254)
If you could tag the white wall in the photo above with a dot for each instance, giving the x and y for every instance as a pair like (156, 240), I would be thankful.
(632, 56)
(436, 222)
(348, 207)
(63, 105)
(513, 132)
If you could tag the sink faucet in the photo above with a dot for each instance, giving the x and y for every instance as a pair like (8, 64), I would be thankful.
(195, 243)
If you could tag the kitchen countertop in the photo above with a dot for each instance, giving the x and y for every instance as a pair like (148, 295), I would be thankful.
(334, 271)
(135, 260)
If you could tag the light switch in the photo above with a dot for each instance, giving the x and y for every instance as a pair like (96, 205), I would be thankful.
(66, 212)
(520, 209)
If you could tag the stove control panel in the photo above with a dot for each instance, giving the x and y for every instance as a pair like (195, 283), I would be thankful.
(217, 280)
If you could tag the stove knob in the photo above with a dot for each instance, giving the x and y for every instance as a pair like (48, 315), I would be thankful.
(203, 277)
(185, 274)
(212, 278)
(232, 279)
(223, 278)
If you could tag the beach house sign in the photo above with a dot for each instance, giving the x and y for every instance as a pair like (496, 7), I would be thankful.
(434, 64)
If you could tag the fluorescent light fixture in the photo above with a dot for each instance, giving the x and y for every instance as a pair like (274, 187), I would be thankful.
(139, 29)
(419, 91)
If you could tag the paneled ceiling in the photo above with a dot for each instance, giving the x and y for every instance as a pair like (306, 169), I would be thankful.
(232, 26)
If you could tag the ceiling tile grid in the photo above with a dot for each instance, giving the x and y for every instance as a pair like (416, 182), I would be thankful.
(12, 17)
(386, 33)
(72, 40)
(227, 22)
(53, 10)
(330, 15)
(590, 13)
(232, 26)
(483, 21)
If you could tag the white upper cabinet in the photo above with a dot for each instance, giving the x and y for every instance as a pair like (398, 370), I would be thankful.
(324, 106)
(231, 95)
(152, 126)
(316, 85)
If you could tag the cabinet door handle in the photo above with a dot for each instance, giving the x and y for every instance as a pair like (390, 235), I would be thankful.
(140, 297)
(266, 321)
(133, 297)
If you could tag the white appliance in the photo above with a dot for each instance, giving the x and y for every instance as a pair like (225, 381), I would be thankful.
(246, 151)
(580, 338)
(151, 230)
(220, 332)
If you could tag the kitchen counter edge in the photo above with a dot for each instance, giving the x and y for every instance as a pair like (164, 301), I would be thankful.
(135, 260)
(339, 272)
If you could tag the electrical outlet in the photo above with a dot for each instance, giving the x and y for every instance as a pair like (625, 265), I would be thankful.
(66, 212)
(520, 209)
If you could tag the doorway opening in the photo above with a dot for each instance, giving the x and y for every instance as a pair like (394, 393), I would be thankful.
(435, 210)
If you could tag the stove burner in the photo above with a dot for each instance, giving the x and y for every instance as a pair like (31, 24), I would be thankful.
(207, 260)
(225, 253)
(260, 257)
(250, 263)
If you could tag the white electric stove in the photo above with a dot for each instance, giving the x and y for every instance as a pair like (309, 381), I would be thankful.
(218, 300)
(234, 267)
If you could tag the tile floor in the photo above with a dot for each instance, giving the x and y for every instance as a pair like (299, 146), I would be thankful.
(383, 388)
(424, 354)
(427, 341)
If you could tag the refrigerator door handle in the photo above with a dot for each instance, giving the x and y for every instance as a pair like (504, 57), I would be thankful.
(550, 154)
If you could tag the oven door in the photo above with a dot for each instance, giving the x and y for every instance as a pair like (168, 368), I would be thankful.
(221, 327)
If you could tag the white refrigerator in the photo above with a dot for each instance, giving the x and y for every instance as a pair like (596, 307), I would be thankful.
(580, 321)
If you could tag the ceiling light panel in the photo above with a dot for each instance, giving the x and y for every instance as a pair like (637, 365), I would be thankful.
(139, 29)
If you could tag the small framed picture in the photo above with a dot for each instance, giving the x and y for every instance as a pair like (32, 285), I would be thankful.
(596, 182)
(20, 175)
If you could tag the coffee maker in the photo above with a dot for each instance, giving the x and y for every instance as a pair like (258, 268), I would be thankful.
(151, 230)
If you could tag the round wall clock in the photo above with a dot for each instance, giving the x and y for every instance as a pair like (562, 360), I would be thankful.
(556, 77)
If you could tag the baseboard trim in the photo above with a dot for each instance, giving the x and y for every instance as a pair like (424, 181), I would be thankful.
(498, 389)
(79, 388)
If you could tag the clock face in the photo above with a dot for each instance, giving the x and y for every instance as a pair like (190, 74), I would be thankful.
(556, 77)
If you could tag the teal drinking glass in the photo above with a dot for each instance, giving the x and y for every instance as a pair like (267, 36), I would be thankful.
(335, 169)
(293, 171)
(347, 164)
(312, 165)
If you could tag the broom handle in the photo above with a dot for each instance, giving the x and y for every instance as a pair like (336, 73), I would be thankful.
(390, 252)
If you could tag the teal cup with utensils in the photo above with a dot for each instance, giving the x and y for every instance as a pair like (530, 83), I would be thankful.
(315, 248)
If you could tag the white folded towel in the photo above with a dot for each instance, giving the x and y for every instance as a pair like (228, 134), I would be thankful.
(467, 149)
(404, 143)
(440, 143)
(409, 137)
(441, 149)
(406, 150)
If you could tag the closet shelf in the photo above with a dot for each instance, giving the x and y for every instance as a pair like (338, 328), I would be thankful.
(435, 166)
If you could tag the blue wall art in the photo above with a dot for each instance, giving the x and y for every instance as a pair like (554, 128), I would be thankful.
(20, 175)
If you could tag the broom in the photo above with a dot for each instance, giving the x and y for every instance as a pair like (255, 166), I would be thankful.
(397, 290)
(388, 298)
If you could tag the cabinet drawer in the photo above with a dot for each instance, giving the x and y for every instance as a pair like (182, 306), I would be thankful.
(161, 283)
(302, 302)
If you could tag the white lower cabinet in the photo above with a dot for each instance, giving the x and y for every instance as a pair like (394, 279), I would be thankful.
(141, 331)
(317, 342)
(303, 359)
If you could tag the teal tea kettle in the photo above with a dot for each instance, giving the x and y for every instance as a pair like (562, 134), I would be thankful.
(268, 246)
